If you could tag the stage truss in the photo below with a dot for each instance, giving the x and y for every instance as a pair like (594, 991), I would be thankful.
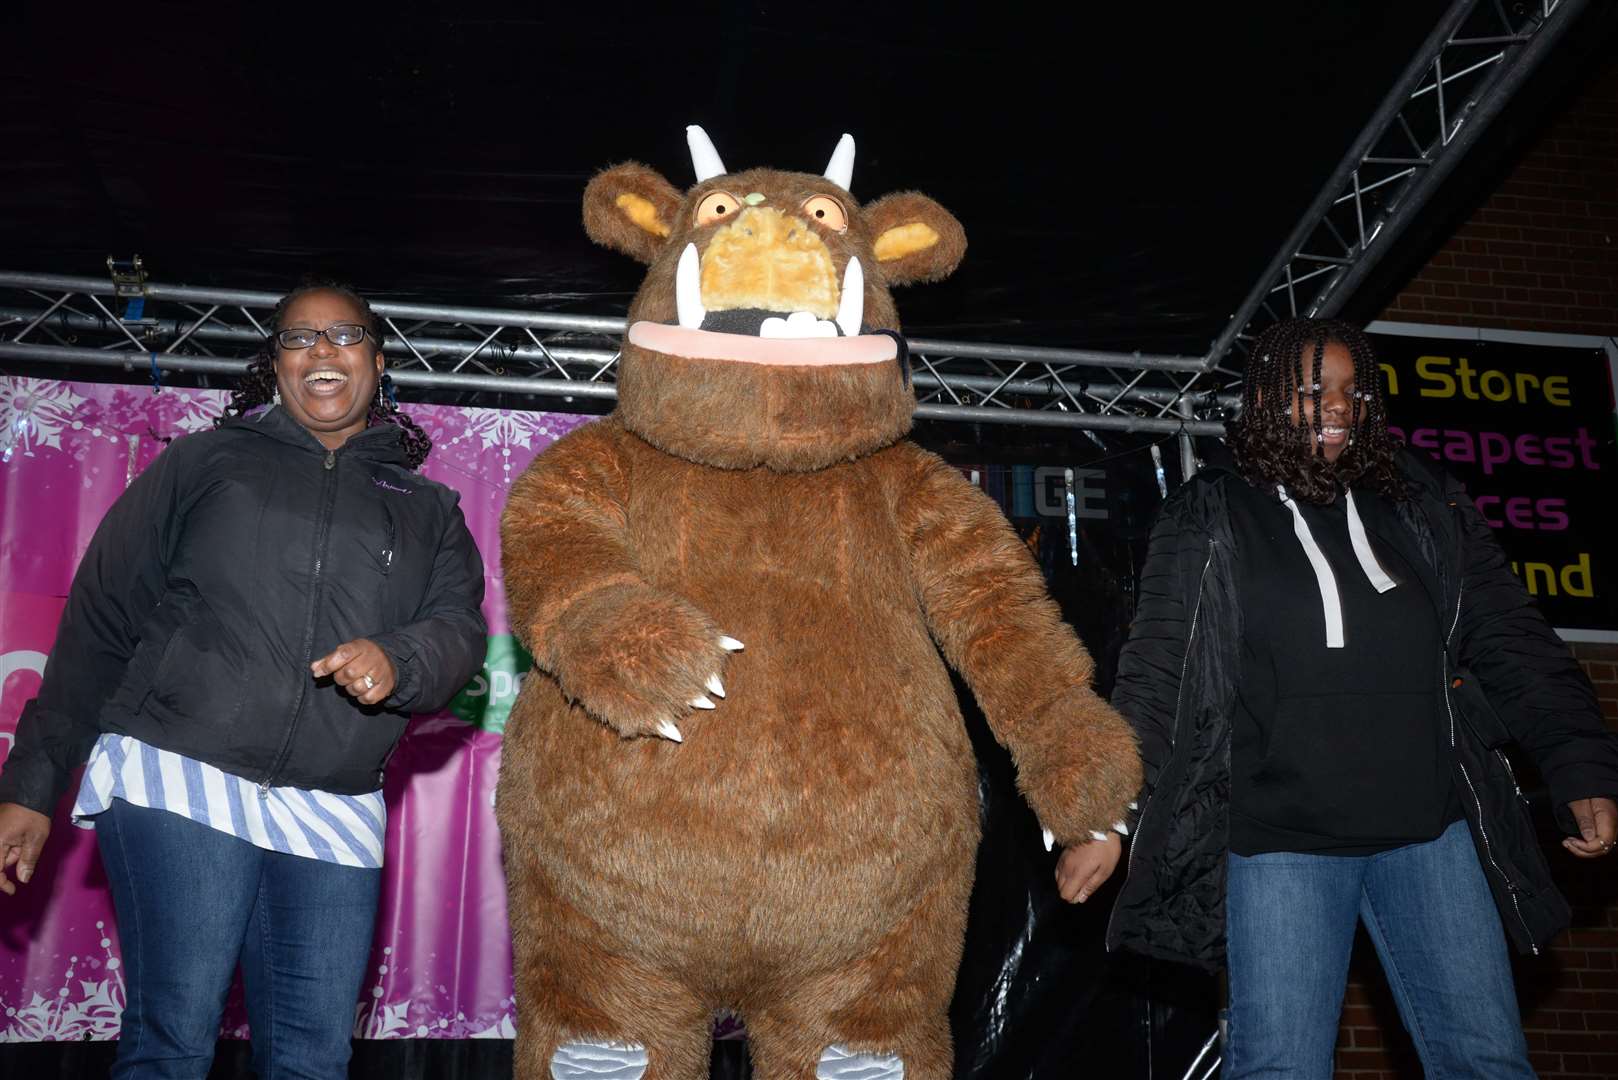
(1480, 52)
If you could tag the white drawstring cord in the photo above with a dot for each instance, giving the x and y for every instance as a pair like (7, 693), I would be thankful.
(1331, 603)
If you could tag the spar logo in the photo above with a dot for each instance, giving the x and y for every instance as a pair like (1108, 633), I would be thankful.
(486, 701)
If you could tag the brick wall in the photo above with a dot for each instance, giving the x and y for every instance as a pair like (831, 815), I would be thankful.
(1540, 254)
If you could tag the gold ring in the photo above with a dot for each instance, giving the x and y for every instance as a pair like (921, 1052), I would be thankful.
(370, 683)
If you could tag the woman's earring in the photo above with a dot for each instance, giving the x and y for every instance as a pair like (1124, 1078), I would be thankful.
(381, 403)
(275, 398)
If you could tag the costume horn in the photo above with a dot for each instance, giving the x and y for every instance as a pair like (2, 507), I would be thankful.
(840, 170)
(704, 158)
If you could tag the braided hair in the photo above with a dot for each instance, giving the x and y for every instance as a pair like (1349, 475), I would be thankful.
(257, 384)
(1270, 449)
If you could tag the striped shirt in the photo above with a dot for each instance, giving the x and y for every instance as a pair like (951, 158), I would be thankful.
(345, 829)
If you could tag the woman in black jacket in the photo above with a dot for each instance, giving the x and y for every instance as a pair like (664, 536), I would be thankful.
(245, 636)
(1329, 652)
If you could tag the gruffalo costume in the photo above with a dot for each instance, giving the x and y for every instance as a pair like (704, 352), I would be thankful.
(786, 829)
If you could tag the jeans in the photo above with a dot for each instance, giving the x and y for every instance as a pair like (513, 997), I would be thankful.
(1290, 927)
(191, 902)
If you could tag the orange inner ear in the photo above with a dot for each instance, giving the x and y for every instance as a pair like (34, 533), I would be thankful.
(902, 240)
(642, 213)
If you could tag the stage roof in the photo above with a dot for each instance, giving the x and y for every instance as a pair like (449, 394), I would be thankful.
(1124, 172)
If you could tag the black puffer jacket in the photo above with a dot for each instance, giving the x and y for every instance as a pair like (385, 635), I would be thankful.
(238, 557)
(1507, 678)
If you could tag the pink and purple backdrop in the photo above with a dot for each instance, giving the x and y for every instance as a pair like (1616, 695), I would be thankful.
(441, 960)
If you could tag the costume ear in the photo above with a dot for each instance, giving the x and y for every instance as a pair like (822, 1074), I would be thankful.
(914, 239)
(630, 208)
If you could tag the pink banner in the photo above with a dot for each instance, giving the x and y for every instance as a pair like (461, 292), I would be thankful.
(441, 960)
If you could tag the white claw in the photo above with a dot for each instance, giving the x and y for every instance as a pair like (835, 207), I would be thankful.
(1134, 806)
(730, 644)
(1120, 828)
(1098, 836)
(851, 305)
(688, 289)
(1050, 838)
(667, 729)
(700, 702)
(715, 687)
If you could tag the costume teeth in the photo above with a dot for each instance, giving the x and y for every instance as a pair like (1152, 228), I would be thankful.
(851, 305)
(688, 289)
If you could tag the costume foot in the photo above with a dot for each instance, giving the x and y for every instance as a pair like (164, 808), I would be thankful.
(585, 1060)
(841, 1063)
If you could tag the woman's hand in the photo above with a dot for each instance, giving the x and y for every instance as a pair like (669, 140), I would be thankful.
(1598, 827)
(361, 668)
(22, 835)
(1084, 868)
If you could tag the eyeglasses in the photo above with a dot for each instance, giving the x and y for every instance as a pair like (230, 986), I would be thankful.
(302, 337)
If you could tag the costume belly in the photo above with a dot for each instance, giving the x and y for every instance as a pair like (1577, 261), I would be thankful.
(804, 817)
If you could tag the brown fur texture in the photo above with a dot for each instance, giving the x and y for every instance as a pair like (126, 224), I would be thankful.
(805, 855)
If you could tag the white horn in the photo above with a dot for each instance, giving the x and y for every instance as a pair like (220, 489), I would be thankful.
(704, 158)
(840, 170)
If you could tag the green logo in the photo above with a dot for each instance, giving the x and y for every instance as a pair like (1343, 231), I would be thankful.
(486, 701)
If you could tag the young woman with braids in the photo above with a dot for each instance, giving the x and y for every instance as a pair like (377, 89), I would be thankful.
(245, 636)
(1329, 651)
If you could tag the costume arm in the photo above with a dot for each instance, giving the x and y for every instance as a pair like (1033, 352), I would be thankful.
(118, 584)
(442, 646)
(988, 609)
(1527, 672)
(634, 656)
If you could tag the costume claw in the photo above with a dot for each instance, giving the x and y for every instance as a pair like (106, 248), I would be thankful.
(715, 687)
(667, 729)
(1050, 839)
(1120, 828)
(1098, 836)
(730, 644)
(701, 702)
(1134, 806)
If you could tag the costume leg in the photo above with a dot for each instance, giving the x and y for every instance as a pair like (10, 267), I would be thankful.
(303, 963)
(884, 1017)
(183, 893)
(583, 1011)
(1289, 922)
(1436, 928)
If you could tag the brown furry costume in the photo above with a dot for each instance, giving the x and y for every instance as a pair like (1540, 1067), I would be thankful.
(805, 855)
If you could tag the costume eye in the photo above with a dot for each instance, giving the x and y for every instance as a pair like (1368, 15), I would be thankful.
(716, 205)
(827, 211)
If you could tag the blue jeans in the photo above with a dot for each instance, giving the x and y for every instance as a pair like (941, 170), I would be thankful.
(191, 902)
(1290, 926)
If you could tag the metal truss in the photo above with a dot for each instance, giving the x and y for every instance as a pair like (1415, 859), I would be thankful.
(146, 328)
(1463, 76)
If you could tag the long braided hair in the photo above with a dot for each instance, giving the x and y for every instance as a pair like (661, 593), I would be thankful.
(257, 384)
(1270, 449)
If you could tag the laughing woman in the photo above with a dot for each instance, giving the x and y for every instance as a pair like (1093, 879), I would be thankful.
(1329, 651)
(249, 628)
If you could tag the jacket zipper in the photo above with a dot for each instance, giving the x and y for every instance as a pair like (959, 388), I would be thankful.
(1179, 708)
(1483, 829)
(328, 493)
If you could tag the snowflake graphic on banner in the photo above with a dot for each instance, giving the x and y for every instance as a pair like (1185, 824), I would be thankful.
(35, 413)
(65, 1017)
(503, 430)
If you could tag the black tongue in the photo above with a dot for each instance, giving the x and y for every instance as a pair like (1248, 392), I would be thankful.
(742, 320)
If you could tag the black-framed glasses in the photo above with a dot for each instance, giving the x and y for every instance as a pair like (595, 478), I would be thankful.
(304, 337)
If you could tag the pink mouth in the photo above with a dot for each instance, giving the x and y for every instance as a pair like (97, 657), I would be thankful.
(782, 352)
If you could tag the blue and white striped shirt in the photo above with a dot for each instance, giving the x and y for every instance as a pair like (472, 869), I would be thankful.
(345, 829)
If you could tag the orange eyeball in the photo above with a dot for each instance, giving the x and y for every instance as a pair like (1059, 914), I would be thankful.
(827, 211)
(717, 205)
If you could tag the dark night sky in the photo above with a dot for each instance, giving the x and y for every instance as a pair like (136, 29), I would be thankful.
(1123, 176)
